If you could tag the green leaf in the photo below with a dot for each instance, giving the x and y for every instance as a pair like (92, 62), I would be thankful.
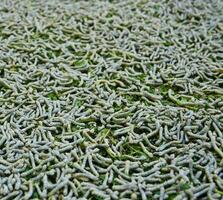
(52, 96)
(184, 186)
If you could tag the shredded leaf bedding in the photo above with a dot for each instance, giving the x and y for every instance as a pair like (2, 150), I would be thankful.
(111, 99)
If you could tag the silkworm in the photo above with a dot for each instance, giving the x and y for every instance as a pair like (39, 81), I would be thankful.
(58, 186)
(213, 142)
(104, 100)
(92, 166)
(30, 192)
(10, 195)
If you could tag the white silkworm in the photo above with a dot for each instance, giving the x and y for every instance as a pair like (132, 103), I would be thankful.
(30, 192)
(213, 142)
(103, 100)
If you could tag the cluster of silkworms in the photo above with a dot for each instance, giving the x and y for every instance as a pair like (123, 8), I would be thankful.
(111, 99)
